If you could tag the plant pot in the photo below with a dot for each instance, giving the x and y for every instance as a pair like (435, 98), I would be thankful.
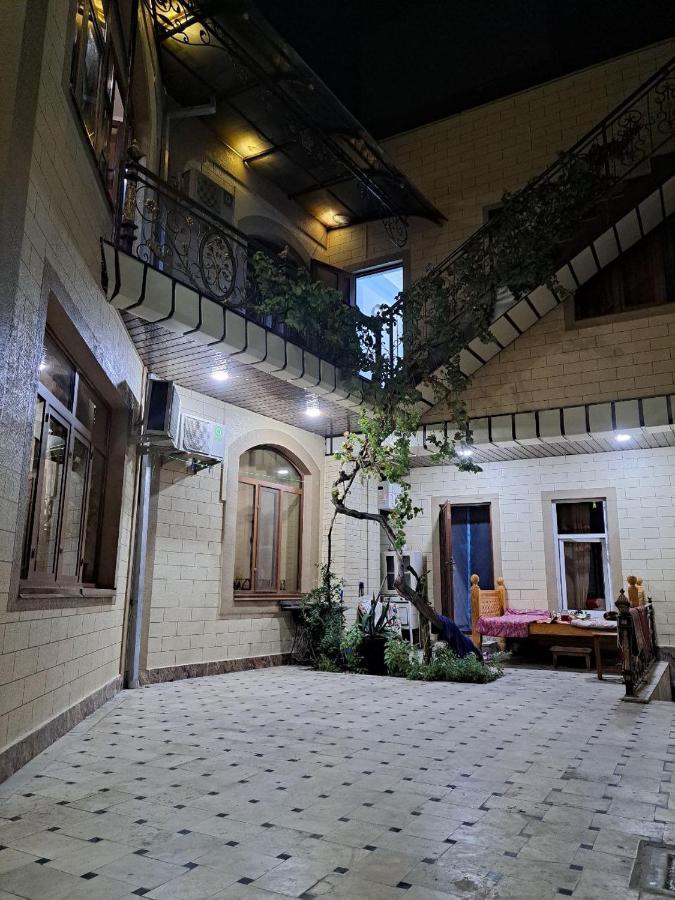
(372, 652)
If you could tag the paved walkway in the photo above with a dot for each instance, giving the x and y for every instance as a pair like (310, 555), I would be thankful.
(284, 782)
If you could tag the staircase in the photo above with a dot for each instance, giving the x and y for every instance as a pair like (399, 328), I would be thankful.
(634, 150)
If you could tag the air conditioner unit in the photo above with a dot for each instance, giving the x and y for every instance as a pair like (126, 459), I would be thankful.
(387, 495)
(208, 193)
(161, 423)
(414, 558)
(202, 438)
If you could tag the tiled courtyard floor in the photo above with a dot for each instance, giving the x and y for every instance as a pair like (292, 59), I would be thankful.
(285, 782)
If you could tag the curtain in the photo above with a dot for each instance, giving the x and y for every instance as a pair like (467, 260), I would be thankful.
(577, 573)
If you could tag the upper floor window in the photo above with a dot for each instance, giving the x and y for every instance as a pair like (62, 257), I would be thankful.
(375, 289)
(95, 85)
(582, 556)
(642, 277)
(66, 478)
(269, 520)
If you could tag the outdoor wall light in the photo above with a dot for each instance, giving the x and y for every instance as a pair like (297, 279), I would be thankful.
(340, 219)
(621, 438)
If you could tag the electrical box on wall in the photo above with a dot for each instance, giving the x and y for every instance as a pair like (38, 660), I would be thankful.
(413, 558)
(387, 495)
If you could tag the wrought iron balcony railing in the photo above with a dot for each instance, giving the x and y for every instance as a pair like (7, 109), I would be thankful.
(180, 237)
(636, 130)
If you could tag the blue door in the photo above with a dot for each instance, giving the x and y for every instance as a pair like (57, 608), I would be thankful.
(471, 542)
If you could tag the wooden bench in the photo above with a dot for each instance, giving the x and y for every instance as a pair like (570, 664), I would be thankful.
(567, 650)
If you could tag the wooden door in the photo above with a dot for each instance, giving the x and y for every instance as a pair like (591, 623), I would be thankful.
(445, 539)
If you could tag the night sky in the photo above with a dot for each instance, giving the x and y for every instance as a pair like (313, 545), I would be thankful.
(402, 63)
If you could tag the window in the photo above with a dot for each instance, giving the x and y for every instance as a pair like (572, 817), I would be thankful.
(269, 519)
(96, 89)
(642, 277)
(66, 477)
(582, 559)
(376, 288)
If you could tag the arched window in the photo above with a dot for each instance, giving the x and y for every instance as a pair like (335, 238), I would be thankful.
(269, 521)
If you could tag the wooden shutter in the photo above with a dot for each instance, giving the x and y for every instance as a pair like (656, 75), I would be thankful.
(337, 279)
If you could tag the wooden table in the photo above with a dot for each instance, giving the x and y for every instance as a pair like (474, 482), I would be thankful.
(563, 629)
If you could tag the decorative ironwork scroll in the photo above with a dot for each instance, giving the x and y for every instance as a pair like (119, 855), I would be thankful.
(172, 233)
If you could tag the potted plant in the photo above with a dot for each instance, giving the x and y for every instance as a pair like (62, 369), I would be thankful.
(376, 631)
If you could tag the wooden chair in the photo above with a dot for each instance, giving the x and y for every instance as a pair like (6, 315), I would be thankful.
(635, 592)
(486, 603)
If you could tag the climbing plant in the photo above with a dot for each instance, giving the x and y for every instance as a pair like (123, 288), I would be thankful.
(516, 252)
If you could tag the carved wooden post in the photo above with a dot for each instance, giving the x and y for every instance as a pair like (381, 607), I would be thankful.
(633, 596)
(475, 609)
(624, 625)
(641, 592)
(652, 628)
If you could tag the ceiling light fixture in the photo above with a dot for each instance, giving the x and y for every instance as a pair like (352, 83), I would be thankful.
(465, 452)
(312, 409)
(621, 438)
(221, 374)
(340, 219)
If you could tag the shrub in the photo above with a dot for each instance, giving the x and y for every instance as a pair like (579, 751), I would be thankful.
(398, 656)
(350, 645)
(321, 623)
(445, 666)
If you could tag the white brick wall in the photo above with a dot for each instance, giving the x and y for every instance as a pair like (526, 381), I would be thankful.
(644, 481)
(51, 659)
(193, 618)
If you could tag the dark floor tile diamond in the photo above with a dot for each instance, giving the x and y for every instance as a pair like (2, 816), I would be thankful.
(283, 856)
(404, 885)
(42, 860)
(89, 875)
(185, 831)
(190, 865)
(340, 870)
(369, 847)
(232, 843)
(141, 892)
(245, 880)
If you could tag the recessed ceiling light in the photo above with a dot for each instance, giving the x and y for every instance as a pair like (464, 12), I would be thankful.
(465, 451)
(340, 219)
(621, 438)
(312, 409)
(220, 374)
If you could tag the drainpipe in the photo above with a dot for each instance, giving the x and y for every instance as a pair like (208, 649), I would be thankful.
(137, 592)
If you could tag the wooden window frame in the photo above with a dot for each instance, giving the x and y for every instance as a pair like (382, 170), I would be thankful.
(110, 67)
(76, 430)
(282, 488)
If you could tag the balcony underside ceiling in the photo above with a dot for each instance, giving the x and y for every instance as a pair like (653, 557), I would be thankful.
(279, 116)
(171, 356)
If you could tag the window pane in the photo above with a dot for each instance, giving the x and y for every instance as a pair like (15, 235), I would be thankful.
(585, 517)
(266, 553)
(584, 574)
(72, 515)
(94, 511)
(243, 549)
(57, 373)
(86, 93)
(290, 542)
(32, 482)
(51, 495)
(375, 290)
(91, 412)
(267, 465)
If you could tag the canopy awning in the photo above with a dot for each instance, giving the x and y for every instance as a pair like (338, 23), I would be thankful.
(275, 112)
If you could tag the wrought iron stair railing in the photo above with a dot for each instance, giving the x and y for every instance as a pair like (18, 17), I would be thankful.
(616, 148)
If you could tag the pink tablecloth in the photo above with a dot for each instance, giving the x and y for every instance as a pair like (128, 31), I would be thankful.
(514, 622)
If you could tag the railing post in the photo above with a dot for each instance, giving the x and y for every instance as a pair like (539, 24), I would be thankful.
(625, 629)
(652, 628)
(128, 191)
